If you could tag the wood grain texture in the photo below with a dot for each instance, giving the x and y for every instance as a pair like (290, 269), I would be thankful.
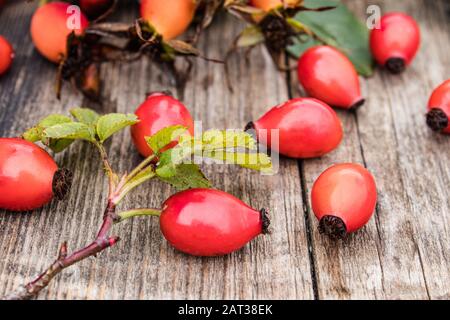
(404, 252)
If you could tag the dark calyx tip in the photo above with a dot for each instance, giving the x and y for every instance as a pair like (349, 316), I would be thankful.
(265, 221)
(396, 65)
(333, 226)
(437, 119)
(249, 126)
(62, 181)
(357, 105)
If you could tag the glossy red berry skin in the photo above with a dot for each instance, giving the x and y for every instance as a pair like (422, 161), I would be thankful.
(396, 42)
(6, 55)
(158, 112)
(208, 222)
(26, 175)
(95, 8)
(438, 116)
(343, 199)
(49, 29)
(308, 128)
(328, 75)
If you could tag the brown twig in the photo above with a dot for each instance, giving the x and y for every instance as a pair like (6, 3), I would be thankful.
(102, 242)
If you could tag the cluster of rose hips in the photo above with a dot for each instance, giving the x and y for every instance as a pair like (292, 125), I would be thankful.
(208, 222)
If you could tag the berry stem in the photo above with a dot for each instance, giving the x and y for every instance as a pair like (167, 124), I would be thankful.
(140, 167)
(138, 213)
(101, 242)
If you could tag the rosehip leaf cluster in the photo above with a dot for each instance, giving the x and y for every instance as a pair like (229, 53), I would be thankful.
(58, 131)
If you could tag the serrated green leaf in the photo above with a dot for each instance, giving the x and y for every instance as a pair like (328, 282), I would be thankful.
(54, 119)
(187, 176)
(111, 123)
(254, 161)
(164, 136)
(85, 115)
(338, 28)
(33, 134)
(71, 131)
(217, 139)
(58, 145)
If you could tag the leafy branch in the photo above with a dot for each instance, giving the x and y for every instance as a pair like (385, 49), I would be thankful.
(175, 166)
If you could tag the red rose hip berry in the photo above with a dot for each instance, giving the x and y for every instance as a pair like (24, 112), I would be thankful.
(439, 108)
(49, 29)
(307, 127)
(159, 111)
(343, 199)
(328, 75)
(29, 177)
(170, 18)
(208, 222)
(6, 55)
(396, 42)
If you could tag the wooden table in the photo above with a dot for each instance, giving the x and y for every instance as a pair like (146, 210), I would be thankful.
(404, 251)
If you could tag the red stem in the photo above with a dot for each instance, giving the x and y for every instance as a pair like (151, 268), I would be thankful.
(102, 242)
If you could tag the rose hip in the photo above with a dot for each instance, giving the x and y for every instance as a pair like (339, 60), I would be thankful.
(396, 42)
(343, 199)
(439, 108)
(307, 127)
(157, 112)
(208, 222)
(29, 177)
(49, 29)
(170, 18)
(6, 55)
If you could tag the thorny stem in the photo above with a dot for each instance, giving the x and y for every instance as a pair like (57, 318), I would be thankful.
(102, 242)
(117, 190)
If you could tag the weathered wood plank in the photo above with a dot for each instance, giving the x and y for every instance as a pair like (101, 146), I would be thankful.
(404, 250)
(143, 265)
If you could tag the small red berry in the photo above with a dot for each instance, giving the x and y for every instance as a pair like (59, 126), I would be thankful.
(438, 116)
(95, 8)
(6, 55)
(396, 42)
(170, 18)
(328, 75)
(158, 112)
(208, 222)
(308, 128)
(29, 177)
(343, 199)
(50, 29)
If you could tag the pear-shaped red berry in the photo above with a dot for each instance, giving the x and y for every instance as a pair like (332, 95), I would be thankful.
(29, 177)
(438, 116)
(395, 43)
(159, 111)
(328, 75)
(6, 55)
(308, 128)
(343, 199)
(208, 222)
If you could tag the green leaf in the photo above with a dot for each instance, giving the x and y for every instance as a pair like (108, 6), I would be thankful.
(58, 145)
(254, 161)
(187, 176)
(37, 133)
(338, 28)
(250, 36)
(85, 115)
(71, 131)
(109, 124)
(164, 136)
(33, 134)
(217, 139)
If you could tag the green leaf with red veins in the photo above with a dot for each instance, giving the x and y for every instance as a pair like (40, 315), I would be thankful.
(164, 136)
(111, 123)
(71, 131)
(85, 115)
(187, 176)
